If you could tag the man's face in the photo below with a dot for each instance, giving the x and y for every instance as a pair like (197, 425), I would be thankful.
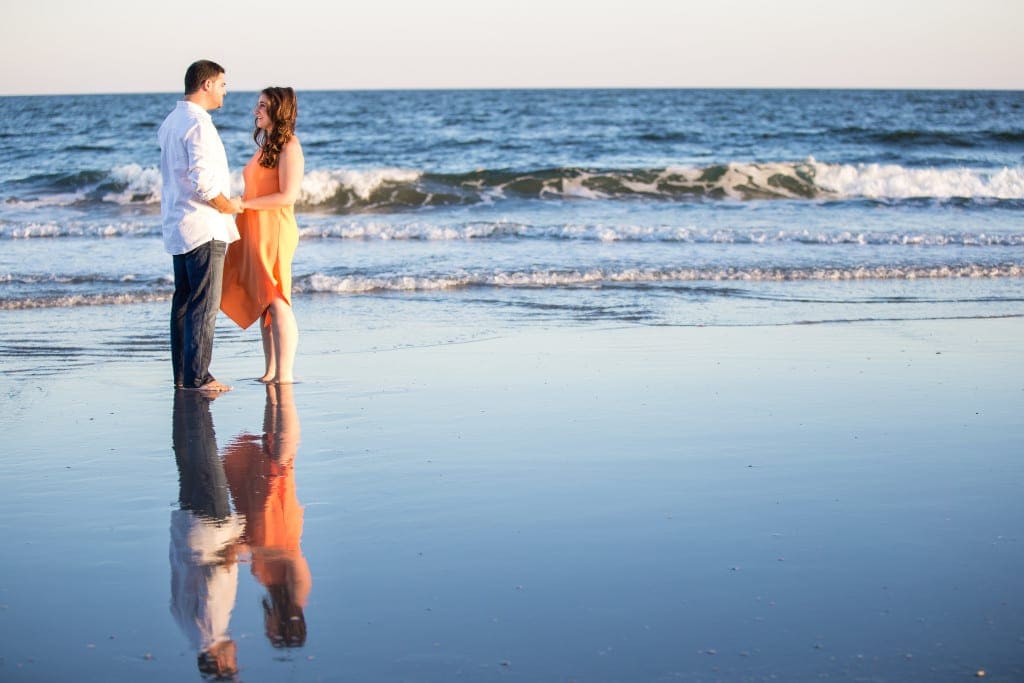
(218, 88)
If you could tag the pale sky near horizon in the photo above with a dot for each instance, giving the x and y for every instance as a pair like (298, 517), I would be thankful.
(117, 46)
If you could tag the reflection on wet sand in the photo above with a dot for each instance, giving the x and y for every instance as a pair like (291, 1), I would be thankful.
(208, 538)
(261, 476)
(204, 539)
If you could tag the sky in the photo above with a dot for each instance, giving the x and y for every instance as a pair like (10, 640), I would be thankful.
(118, 46)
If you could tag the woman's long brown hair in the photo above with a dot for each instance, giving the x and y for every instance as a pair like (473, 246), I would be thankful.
(283, 109)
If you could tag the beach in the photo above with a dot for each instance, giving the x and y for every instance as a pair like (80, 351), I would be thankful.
(590, 502)
(595, 385)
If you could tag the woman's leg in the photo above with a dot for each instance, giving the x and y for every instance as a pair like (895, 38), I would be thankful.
(285, 340)
(270, 359)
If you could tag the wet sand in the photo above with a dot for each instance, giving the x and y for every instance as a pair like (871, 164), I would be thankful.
(490, 502)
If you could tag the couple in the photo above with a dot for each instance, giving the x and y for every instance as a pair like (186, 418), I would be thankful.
(251, 280)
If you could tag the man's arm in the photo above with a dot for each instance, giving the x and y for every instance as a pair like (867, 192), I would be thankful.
(201, 176)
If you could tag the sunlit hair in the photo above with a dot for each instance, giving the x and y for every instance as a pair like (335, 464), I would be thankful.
(283, 109)
(199, 72)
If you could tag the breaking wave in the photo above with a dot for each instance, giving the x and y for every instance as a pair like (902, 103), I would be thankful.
(395, 189)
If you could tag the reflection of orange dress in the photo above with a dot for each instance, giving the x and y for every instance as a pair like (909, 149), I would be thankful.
(264, 492)
(258, 267)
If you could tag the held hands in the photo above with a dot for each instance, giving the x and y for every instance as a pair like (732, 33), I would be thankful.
(225, 205)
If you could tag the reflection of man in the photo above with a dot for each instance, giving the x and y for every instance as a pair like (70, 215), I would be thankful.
(197, 226)
(261, 475)
(204, 531)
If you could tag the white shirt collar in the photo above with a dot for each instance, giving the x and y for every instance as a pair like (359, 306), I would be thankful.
(194, 108)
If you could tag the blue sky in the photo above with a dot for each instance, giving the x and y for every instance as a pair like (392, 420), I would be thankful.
(62, 46)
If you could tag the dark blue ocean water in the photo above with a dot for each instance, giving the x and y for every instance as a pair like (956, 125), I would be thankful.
(661, 206)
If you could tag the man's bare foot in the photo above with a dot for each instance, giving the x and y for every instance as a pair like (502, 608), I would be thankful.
(212, 387)
(289, 380)
(266, 379)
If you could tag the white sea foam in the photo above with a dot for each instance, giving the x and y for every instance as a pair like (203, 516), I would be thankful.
(845, 181)
(414, 230)
(576, 187)
(407, 231)
(320, 186)
(141, 185)
(73, 300)
(15, 231)
(76, 229)
(743, 180)
(876, 181)
(542, 279)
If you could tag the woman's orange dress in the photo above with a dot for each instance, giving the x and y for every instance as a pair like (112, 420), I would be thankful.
(258, 267)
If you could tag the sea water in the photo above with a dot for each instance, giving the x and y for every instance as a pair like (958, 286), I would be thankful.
(668, 207)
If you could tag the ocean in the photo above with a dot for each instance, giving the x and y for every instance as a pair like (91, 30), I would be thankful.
(663, 207)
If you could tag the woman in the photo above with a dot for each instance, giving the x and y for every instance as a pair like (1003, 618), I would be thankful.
(258, 268)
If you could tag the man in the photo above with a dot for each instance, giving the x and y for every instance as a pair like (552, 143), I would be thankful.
(198, 222)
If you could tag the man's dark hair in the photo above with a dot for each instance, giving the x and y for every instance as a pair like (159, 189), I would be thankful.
(198, 72)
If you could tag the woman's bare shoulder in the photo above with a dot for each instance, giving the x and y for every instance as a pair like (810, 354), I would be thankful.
(292, 148)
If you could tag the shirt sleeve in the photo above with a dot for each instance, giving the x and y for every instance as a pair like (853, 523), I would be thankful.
(198, 147)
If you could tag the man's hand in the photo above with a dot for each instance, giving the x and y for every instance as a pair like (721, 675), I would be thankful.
(225, 205)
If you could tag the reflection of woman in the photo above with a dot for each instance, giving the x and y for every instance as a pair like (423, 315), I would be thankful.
(261, 476)
(258, 268)
(204, 534)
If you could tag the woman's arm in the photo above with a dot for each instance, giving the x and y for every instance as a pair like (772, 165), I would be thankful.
(290, 168)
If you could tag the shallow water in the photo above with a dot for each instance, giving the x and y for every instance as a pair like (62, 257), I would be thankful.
(589, 504)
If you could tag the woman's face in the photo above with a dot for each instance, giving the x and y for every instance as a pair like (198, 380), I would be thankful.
(263, 121)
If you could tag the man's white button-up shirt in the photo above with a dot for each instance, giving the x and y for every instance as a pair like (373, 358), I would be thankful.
(194, 168)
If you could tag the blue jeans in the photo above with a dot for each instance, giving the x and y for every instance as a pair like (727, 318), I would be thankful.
(197, 286)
